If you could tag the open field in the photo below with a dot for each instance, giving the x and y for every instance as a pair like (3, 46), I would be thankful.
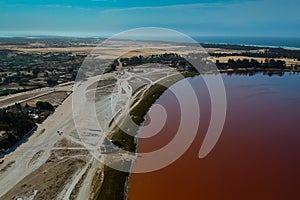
(32, 96)
(48, 181)
(54, 98)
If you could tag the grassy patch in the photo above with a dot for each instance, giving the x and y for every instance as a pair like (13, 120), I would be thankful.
(113, 185)
(7, 92)
(114, 181)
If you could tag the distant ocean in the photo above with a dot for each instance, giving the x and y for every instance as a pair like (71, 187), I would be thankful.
(292, 43)
(283, 42)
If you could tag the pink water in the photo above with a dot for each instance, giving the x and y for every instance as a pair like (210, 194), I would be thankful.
(257, 156)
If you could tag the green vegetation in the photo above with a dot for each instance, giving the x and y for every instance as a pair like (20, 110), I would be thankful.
(265, 53)
(171, 59)
(15, 122)
(253, 64)
(44, 106)
(35, 70)
(113, 185)
(7, 92)
(14, 126)
(114, 181)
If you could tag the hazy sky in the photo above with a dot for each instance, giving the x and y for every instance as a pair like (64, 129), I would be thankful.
(106, 17)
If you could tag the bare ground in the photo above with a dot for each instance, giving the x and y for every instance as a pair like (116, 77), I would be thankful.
(48, 180)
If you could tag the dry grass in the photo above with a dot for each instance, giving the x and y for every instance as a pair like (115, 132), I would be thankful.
(48, 180)
(144, 52)
(55, 98)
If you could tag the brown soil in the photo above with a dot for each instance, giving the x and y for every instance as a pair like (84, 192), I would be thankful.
(48, 180)
(55, 98)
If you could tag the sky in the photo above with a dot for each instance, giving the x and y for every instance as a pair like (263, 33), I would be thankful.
(98, 18)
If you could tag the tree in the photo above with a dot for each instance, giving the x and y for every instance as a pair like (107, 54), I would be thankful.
(36, 71)
(44, 106)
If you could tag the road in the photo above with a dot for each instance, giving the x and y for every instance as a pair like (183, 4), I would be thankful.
(60, 120)
(10, 100)
(44, 139)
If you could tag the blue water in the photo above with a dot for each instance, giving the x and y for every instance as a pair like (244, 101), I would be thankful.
(283, 42)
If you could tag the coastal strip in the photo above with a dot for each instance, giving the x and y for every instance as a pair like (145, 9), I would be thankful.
(115, 184)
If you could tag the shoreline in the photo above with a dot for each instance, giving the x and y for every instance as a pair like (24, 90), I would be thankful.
(154, 99)
(127, 183)
(195, 38)
(139, 109)
(252, 45)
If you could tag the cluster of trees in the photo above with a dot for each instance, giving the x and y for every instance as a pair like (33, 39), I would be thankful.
(254, 72)
(269, 53)
(15, 122)
(258, 55)
(171, 59)
(15, 125)
(265, 53)
(246, 63)
(44, 106)
(22, 68)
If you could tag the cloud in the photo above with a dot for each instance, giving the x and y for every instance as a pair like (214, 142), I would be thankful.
(58, 6)
(247, 17)
(15, 5)
(263, 17)
(177, 6)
